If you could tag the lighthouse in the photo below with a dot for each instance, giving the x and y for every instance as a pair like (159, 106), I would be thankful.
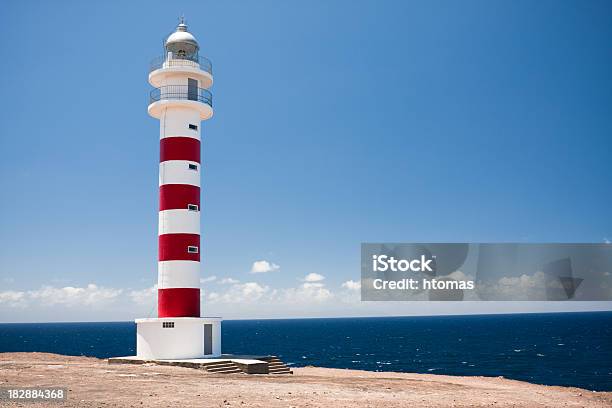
(181, 100)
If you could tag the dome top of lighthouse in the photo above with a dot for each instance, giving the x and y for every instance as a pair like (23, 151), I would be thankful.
(181, 42)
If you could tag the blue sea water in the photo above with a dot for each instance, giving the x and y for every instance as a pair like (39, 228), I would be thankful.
(571, 349)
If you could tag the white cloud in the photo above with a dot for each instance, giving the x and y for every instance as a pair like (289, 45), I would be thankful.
(607, 241)
(249, 292)
(92, 294)
(312, 285)
(228, 281)
(307, 293)
(240, 293)
(313, 277)
(524, 287)
(253, 300)
(208, 279)
(264, 266)
(352, 285)
(13, 298)
(145, 296)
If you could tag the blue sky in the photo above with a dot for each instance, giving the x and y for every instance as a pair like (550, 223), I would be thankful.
(335, 123)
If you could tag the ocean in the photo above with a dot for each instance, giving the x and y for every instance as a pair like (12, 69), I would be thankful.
(570, 349)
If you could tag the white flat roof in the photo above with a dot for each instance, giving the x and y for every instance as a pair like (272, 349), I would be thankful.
(174, 319)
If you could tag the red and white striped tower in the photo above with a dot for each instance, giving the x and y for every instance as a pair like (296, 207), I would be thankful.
(181, 100)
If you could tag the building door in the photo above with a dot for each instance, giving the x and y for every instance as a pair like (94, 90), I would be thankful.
(208, 339)
(192, 89)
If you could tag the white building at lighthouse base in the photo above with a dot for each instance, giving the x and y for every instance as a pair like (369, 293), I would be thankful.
(178, 338)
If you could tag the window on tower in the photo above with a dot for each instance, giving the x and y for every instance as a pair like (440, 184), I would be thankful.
(193, 166)
(192, 249)
(168, 325)
(193, 127)
(192, 207)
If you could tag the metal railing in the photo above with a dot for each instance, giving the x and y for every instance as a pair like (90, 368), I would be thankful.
(165, 61)
(183, 92)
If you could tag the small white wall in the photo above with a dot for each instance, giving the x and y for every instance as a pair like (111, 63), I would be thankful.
(179, 78)
(184, 341)
(177, 70)
(216, 335)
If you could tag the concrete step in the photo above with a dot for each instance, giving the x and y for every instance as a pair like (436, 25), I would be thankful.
(231, 365)
(223, 367)
(225, 370)
(220, 364)
(276, 366)
(286, 371)
(228, 371)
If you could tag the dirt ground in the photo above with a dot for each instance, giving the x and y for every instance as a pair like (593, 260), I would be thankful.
(94, 383)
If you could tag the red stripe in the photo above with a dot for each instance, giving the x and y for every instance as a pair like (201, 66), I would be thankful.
(179, 148)
(178, 302)
(173, 247)
(177, 196)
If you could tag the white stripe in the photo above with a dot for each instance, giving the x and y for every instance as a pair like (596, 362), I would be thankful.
(178, 172)
(179, 222)
(178, 274)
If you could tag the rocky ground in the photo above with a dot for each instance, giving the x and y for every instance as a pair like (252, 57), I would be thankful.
(94, 383)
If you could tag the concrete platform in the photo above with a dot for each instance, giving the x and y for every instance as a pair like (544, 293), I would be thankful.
(225, 364)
